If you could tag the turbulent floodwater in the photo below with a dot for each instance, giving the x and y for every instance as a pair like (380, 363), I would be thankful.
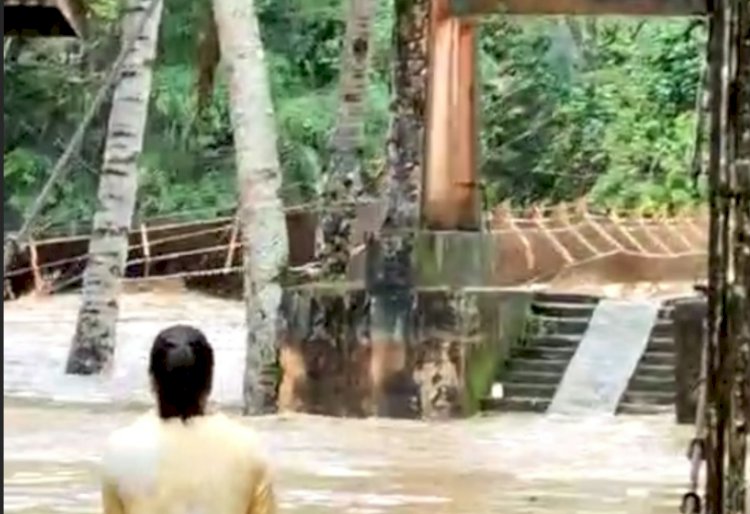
(509, 464)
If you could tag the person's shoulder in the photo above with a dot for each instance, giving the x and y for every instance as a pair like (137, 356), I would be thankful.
(236, 430)
(131, 451)
(132, 432)
(243, 438)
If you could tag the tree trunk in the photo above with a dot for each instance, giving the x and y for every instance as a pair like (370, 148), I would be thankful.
(343, 181)
(702, 103)
(94, 342)
(743, 261)
(739, 319)
(262, 219)
(390, 278)
(406, 138)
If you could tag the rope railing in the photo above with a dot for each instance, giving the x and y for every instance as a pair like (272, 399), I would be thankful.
(152, 243)
(599, 237)
(691, 500)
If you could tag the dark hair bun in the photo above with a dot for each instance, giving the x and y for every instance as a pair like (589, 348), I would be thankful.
(181, 365)
(180, 356)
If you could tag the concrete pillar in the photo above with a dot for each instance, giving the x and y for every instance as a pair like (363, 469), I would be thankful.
(324, 354)
(447, 330)
(689, 317)
(434, 359)
(392, 349)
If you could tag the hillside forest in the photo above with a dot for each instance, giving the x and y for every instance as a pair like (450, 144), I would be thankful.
(604, 107)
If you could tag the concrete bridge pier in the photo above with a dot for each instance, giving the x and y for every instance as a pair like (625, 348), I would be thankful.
(427, 349)
(398, 341)
(419, 331)
(434, 359)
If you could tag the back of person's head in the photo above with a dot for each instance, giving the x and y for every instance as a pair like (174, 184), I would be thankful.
(181, 367)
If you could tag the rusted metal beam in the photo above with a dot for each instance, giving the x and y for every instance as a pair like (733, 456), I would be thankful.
(450, 198)
(580, 7)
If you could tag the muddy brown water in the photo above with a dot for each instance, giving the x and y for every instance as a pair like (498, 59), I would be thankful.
(511, 464)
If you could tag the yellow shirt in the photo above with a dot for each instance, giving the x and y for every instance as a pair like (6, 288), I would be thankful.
(210, 465)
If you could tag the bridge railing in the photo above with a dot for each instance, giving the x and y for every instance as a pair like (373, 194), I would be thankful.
(536, 244)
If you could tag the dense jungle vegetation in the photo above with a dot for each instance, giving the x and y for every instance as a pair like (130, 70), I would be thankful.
(568, 106)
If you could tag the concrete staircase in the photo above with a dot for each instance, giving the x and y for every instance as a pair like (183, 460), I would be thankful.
(652, 388)
(536, 368)
(558, 322)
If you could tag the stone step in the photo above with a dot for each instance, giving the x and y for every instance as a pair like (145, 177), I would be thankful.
(544, 353)
(665, 384)
(663, 328)
(577, 326)
(516, 404)
(667, 309)
(663, 358)
(525, 375)
(563, 310)
(648, 397)
(655, 370)
(538, 365)
(570, 298)
(528, 390)
(568, 341)
(641, 409)
(661, 344)
(564, 326)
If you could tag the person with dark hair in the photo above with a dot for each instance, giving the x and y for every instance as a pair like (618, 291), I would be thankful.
(183, 459)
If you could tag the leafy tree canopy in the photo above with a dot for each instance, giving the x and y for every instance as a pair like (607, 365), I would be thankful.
(569, 106)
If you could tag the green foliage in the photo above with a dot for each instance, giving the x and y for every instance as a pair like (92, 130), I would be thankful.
(568, 107)
(605, 107)
(104, 10)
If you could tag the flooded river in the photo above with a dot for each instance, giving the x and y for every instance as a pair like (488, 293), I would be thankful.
(55, 427)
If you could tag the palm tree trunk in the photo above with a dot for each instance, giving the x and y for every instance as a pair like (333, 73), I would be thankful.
(390, 274)
(94, 341)
(737, 497)
(343, 180)
(259, 180)
(406, 138)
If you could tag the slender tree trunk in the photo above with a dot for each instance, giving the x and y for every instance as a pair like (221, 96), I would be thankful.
(701, 113)
(343, 181)
(406, 139)
(7, 46)
(259, 180)
(94, 342)
(390, 269)
(743, 261)
(740, 307)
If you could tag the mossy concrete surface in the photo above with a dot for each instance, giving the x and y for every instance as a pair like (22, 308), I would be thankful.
(334, 362)
(453, 258)
(504, 315)
(689, 316)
